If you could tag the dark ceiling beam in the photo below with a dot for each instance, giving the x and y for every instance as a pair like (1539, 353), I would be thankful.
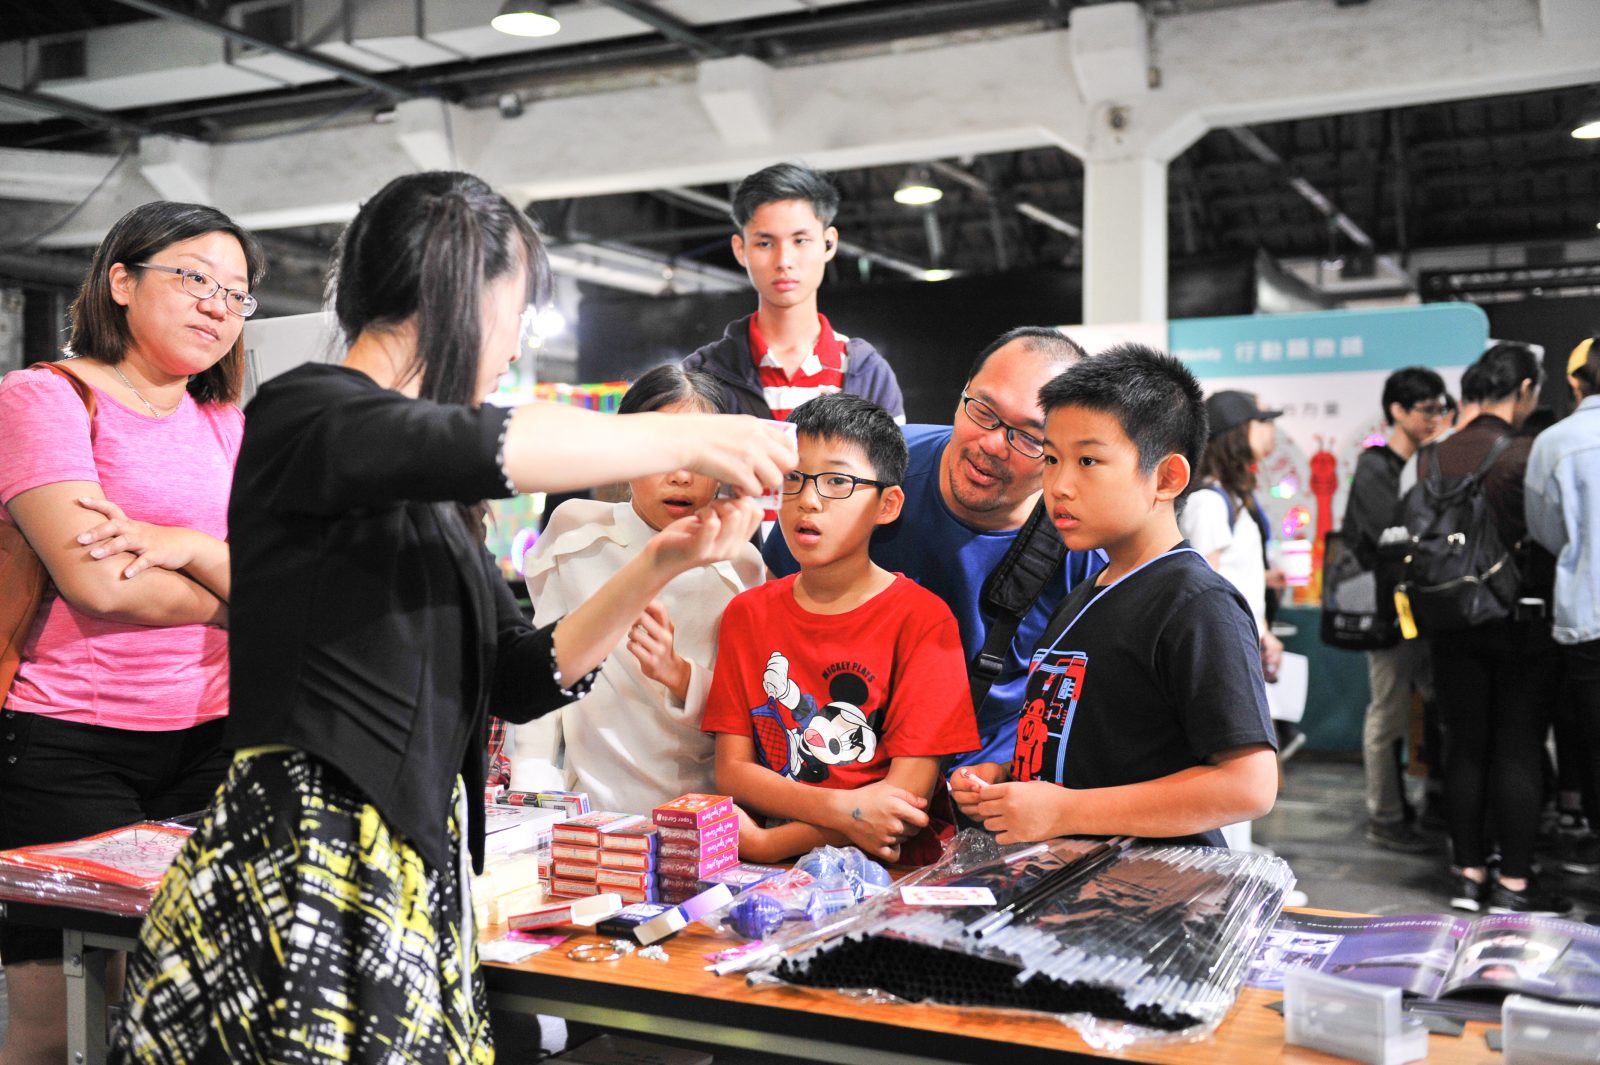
(68, 109)
(343, 71)
(672, 28)
(1308, 192)
(1027, 210)
(487, 76)
(928, 13)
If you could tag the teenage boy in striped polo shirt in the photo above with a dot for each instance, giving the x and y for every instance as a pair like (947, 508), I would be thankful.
(786, 352)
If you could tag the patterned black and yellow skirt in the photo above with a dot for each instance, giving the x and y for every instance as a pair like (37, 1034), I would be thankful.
(296, 927)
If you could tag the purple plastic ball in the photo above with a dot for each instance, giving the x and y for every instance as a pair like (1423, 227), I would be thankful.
(756, 916)
(875, 874)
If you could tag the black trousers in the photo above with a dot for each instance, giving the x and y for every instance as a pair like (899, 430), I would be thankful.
(60, 780)
(1497, 686)
(1583, 703)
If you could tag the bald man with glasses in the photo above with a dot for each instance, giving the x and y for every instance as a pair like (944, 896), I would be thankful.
(969, 488)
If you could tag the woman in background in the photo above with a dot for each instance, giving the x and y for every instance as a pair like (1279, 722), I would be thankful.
(116, 712)
(1497, 682)
(1222, 518)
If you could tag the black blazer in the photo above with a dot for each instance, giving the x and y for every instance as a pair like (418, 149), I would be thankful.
(369, 627)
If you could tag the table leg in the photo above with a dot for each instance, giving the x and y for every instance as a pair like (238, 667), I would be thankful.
(85, 968)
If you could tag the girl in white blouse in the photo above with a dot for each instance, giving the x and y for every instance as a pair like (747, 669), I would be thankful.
(636, 740)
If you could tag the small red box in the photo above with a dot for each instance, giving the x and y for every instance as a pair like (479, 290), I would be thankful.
(704, 837)
(571, 852)
(679, 852)
(641, 861)
(622, 878)
(573, 871)
(585, 830)
(693, 811)
(691, 869)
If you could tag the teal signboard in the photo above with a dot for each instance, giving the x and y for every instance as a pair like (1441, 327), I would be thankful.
(1434, 334)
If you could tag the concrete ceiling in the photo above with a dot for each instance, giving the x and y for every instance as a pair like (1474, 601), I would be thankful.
(1421, 124)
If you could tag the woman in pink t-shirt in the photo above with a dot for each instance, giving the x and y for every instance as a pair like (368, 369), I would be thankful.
(117, 708)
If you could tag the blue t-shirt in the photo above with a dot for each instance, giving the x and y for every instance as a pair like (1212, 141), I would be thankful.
(951, 559)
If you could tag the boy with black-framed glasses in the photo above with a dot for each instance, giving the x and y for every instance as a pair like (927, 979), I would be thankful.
(970, 487)
(839, 689)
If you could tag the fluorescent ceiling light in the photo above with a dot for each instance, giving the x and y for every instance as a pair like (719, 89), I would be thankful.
(938, 274)
(918, 189)
(525, 18)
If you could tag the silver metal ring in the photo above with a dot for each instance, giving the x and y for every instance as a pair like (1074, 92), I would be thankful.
(592, 952)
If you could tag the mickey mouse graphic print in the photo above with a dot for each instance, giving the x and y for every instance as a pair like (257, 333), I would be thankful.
(830, 699)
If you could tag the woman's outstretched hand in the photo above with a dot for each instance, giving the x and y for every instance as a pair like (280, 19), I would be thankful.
(746, 453)
(713, 533)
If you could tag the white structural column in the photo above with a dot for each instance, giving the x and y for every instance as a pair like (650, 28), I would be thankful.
(1124, 181)
(1124, 239)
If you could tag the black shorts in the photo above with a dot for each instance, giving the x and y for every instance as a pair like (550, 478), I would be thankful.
(60, 780)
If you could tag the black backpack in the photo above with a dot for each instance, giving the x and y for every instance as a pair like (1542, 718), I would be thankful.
(1454, 567)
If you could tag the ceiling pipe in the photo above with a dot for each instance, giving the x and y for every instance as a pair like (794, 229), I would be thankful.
(343, 71)
(1026, 210)
(489, 74)
(68, 109)
(1324, 206)
(671, 27)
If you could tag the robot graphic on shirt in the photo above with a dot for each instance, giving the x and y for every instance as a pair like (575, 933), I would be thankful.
(797, 738)
(1047, 715)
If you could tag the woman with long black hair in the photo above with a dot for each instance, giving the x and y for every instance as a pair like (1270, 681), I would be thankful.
(321, 909)
(1497, 682)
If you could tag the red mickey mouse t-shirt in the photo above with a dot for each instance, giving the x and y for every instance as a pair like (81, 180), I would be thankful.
(830, 698)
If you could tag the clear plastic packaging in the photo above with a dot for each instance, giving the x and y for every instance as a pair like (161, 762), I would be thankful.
(111, 872)
(823, 882)
(1350, 1020)
(1546, 1033)
(1152, 946)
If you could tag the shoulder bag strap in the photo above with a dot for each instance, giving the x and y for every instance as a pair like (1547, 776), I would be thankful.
(1010, 591)
(79, 385)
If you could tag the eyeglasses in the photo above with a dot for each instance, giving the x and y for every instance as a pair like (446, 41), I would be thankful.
(829, 485)
(204, 286)
(1429, 410)
(983, 416)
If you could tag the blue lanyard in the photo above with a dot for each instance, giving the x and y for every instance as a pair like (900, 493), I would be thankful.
(1066, 724)
(1107, 590)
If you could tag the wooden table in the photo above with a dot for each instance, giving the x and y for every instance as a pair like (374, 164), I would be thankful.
(679, 999)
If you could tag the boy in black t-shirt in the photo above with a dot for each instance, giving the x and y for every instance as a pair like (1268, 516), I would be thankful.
(1144, 712)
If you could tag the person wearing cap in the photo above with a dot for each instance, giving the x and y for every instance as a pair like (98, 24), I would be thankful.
(1562, 502)
(1413, 407)
(1223, 520)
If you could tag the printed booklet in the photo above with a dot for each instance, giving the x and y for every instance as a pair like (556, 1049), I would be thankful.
(1437, 956)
